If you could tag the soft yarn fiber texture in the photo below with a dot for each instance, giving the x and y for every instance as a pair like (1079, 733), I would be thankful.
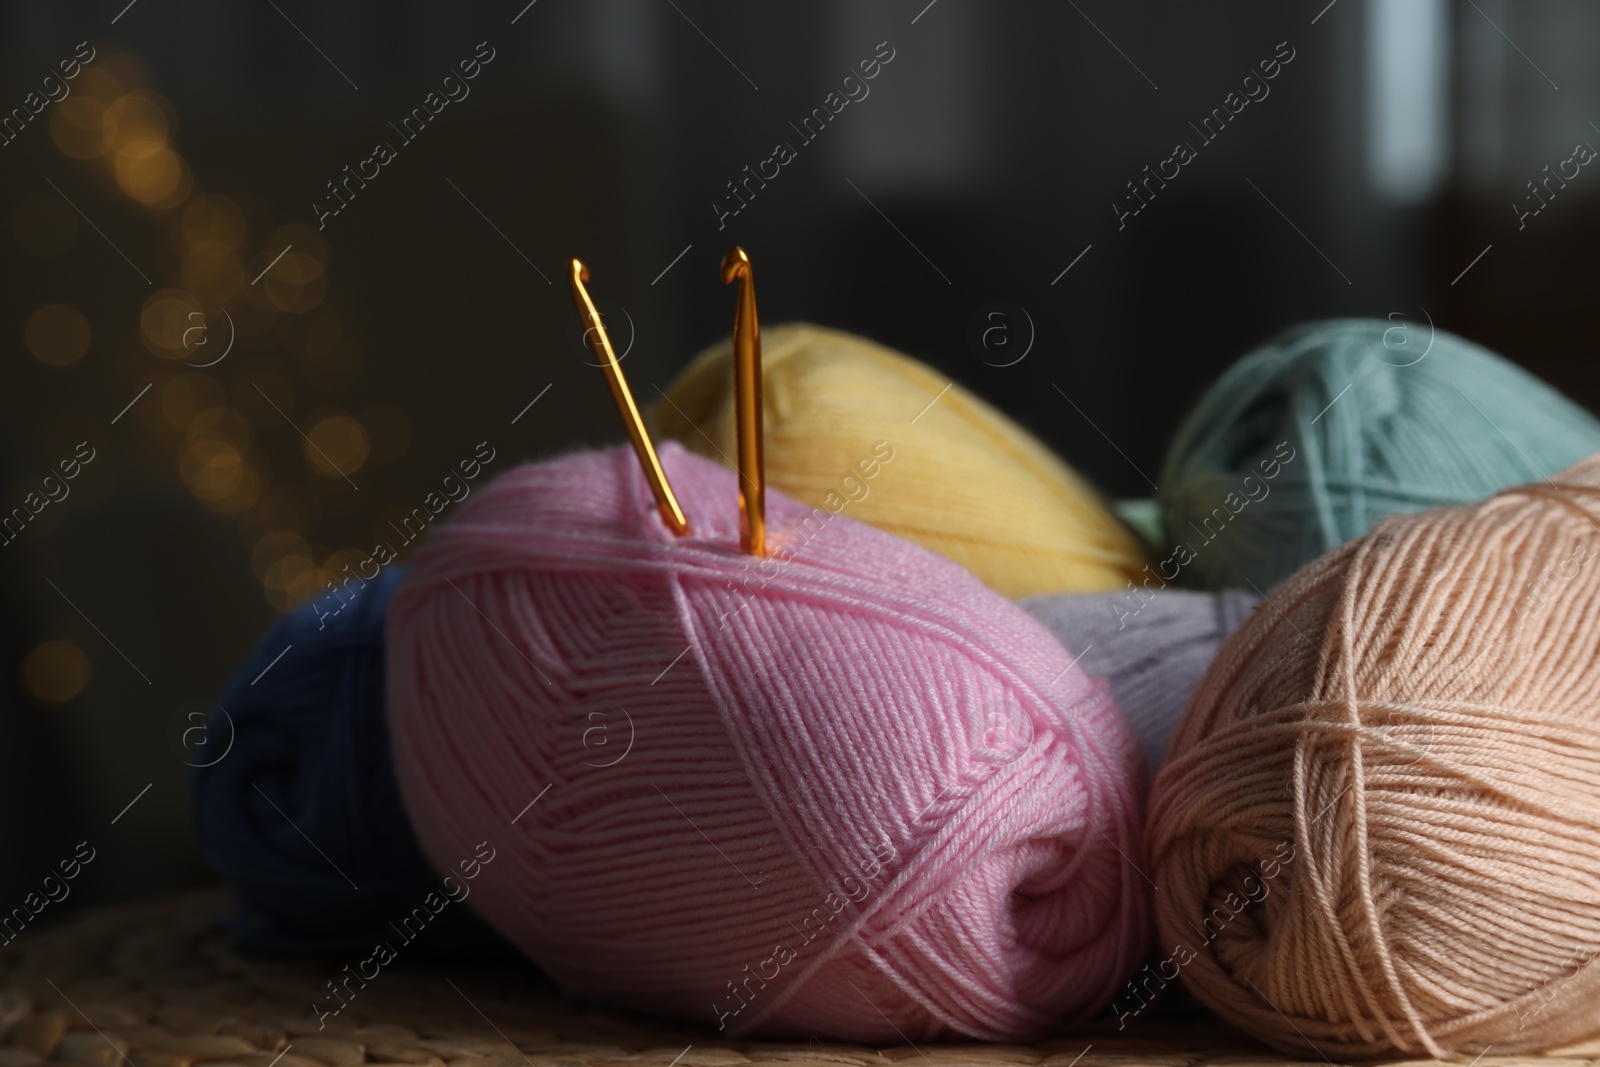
(966, 481)
(1142, 516)
(845, 791)
(300, 749)
(1377, 832)
(1377, 423)
(1152, 647)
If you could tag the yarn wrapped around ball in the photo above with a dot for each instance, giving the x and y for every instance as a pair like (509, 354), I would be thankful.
(1142, 516)
(295, 798)
(966, 482)
(1331, 426)
(1150, 646)
(843, 791)
(1377, 831)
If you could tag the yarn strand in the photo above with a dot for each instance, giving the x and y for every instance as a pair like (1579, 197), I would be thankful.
(1430, 696)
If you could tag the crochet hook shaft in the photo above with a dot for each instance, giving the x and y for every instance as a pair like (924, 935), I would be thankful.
(747, 394)
(600, 341)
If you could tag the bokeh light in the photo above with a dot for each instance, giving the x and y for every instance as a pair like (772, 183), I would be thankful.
(135, 118)
(117, 119)
(213, 220)
(296, 284)
(275, 545)
(167, 315)
(55, 672)
(211, 468)
(213, 272)
(306, 239)
(223, 423)
(253, 480)
(291, 581)
(104, 81)
(151, 173)
(337, 446)
(213, 434)
(77, 126)
(346, 563)
(57, 335)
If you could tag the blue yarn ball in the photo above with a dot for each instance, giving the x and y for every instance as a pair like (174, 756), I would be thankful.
(303, 814)
(1328, 428)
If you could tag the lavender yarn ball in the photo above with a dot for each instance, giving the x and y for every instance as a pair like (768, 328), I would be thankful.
(1152, 648)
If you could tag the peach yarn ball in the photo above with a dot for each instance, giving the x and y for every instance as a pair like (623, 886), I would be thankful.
(1378, 829)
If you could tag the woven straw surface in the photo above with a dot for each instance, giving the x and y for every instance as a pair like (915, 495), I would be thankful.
(153, 985)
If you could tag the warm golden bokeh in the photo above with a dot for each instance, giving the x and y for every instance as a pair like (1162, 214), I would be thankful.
(166, 317)
(77, 126)
(57, 335)
(211, 468)
(337, 446)
(55, 672)
(292, 581)
(346, 563)
(296, 284)
(306, 239)
(212, 272)
(137, 117)
(104, 82)
(223, 423)
(283, 508)
(230, 286)
(151, 173)
(276, 545)
(214, 220)
(253, 480)
(216, 432)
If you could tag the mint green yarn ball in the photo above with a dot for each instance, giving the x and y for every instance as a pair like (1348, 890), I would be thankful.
(1329, 427)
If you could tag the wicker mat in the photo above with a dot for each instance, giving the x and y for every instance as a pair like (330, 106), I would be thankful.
(154, 985)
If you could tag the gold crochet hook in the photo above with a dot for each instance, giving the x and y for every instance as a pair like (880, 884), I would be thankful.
(747, 394)
(600, 341)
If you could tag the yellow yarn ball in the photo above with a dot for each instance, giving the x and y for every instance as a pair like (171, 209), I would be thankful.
(964, 481)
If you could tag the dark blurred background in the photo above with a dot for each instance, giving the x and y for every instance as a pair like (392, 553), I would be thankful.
(145, 213)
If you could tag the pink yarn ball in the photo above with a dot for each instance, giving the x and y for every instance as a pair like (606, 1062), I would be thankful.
(844, 791)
